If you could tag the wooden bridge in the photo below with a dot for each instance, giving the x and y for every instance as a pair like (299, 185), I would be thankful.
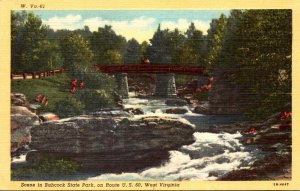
(165, 78)
(153, 69)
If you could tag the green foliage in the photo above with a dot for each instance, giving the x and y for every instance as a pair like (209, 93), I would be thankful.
(107, 46)
(182, 80)
(174, 47)
(158, 51)
(257, 52)
(75, 50)
(49, 56)
(194, 47)
(48, 166)
(133, 52)
(271, 104)
(54, 35)
(31, 51)
(98, 90)
(91, 78)
(69, 107)
(144, 46)
(174, 42)
(190, 32)
(201, 96)
(95, 99)
(112, 57)
(215, 38)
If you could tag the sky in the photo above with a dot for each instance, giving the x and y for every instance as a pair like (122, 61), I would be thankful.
(138, 24)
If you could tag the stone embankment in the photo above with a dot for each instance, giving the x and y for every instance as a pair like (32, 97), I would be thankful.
(22, 120)
(110, 144)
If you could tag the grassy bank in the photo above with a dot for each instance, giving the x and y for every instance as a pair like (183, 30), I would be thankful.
(55, 88)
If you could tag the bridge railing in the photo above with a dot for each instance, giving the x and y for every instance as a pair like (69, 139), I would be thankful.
(36, 75)
(153, 68)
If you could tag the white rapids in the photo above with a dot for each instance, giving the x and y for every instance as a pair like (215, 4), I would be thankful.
(209, 157)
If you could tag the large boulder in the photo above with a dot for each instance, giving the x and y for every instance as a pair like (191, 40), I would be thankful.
(176, 102)
(201, 109)
(135, 111)
(21, 122)
(177, 110)
(113, 144)
(18, 99)
(110, 112)
(225, 97)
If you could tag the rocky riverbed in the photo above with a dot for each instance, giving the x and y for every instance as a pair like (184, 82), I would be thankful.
(154, 139)
(274, 142)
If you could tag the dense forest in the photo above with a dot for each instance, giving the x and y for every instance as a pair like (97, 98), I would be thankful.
(252, 46)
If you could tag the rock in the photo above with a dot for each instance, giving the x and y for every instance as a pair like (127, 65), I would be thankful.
(136, 111)
(20, 151)
(286, 126)
(277, 147)
(176, 102)
(117, 143)
(18, 99)
(21, 121)
(202, 109)
(48, 117)
(111, 112)
(274, 137)
(177, 110)
(266, 168)
(152, 124)
(225, 97)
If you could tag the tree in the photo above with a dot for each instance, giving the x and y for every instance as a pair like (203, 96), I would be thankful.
(176, 48)
(196, 43)
(133, 52)
(144, 47)
(49, 55)
(158, 50)
(215, 38)
(75, 50)
(175, 44)
(189, 33)
(257, 53)
(54, 35)
(106, 44)
(27, 34)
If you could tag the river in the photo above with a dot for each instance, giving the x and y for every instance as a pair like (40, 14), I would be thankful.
(209, 157)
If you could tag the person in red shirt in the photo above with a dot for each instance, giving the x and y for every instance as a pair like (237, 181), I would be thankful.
(145, 60)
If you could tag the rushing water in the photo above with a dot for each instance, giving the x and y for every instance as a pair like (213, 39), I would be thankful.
(209, 157)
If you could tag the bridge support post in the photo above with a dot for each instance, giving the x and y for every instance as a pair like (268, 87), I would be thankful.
(165, 85)
(122, 84)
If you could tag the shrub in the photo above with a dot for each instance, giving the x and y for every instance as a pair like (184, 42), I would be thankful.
(94, 99)
(201, 96)
(69, 107)
(49, 166)
(98, 87)
(93, 79)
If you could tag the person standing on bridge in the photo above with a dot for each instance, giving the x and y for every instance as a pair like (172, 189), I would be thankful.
(145, 60)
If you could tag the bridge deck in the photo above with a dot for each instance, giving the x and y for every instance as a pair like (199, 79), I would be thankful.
(152, 68)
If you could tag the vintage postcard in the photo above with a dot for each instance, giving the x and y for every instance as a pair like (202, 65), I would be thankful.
(149, 95)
